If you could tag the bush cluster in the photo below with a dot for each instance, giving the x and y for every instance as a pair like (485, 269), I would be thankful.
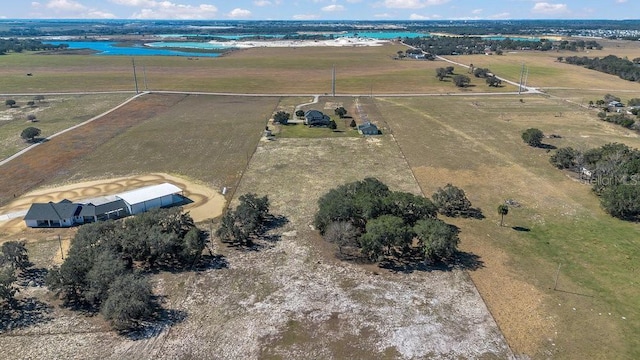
(103, 269)
(385, 225)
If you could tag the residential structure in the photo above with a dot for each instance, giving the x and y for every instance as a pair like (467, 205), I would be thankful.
(67, 213)
(368, 129)
(316, 118)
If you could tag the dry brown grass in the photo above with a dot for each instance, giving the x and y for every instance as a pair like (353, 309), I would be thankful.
(476, 145)
(545, 71)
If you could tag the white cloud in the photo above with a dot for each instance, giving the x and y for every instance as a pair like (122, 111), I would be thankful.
(262, 3)
(65, 5)
(412, 4)
(621, 1)
(304, 17)
(424, 17)
(169, 10)
(503, 15)
(547, 8)
(97, 14)
(333, 8)
(137, 3)
(239, 13)
(477, 11)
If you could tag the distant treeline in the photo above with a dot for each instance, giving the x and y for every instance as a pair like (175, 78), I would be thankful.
(611, 64)
(19, 45)
(469, 45)
(74, 27)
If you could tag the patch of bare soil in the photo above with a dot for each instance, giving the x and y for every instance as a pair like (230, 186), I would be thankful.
(291, 300)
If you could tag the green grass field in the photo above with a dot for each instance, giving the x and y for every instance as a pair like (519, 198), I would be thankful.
(263, 70)
(476, 145)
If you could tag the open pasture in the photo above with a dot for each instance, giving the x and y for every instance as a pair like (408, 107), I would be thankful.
(53, 114)
(545, 71)
(359, 70)
(207, 138)
(476, 145)
(291, 298)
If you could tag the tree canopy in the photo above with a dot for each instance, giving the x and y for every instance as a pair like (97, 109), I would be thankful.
(30, 133)
(105, 257)
(340, 111)
(533, 137)
(461, 80)
(244, 224)
(452, 201)
(383, 225)
(614, 174)
(281, 117)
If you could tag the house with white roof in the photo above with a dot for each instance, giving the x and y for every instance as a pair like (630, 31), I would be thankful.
(67, 213)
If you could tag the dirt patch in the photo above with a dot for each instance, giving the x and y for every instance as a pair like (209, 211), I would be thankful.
(206, 202)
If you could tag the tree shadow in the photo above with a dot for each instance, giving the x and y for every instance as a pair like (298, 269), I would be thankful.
(473, 213)
(163, 318)
(263, 240)
(521, 228)
(33, 277)
(211, 262)
(25, 313)
(547, 146)
(460, 261)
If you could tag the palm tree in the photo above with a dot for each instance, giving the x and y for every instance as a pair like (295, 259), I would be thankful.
(502, 210)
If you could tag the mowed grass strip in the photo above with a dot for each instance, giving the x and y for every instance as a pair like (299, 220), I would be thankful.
(307, 70)
(54, 158)
(476, 144)
(206, 138)
(55, 113)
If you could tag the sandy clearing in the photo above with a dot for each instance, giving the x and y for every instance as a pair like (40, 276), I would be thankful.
(207, 202)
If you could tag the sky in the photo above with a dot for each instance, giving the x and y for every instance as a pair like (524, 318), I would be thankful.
(323, 9)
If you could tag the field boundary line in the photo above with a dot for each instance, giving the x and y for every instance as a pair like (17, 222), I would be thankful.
(19, 153)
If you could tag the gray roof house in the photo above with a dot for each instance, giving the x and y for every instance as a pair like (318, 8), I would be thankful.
(66, 213)
(316, 118)
(103, 211)
(368, 129)
(62, 214)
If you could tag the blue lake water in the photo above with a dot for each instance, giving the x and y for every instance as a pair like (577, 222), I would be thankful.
(109, 48)
(159, 48)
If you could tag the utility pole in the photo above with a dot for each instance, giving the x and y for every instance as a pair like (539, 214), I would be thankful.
(135, 78)
(333, 81)
(144, 77)
(521, 79)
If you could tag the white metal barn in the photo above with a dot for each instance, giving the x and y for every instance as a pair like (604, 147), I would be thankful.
(150, 197)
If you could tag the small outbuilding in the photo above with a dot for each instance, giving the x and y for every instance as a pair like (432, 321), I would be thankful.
(151, 197)
(368, 129)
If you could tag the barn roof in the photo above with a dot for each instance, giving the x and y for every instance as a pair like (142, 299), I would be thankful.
(149, 193)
